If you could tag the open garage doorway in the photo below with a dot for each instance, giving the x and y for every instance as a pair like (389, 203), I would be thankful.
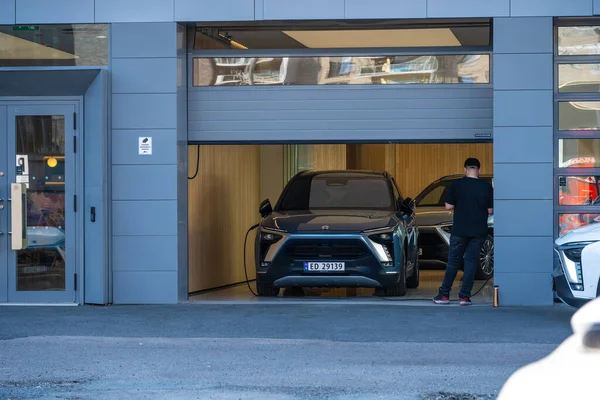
(228, 183)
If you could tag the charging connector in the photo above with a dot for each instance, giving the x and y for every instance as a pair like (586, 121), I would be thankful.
(253, 227)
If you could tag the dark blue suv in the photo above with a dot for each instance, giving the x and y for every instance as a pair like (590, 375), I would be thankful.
(338, 229)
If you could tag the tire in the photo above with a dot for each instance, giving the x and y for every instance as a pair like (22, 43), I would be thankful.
(265, 290)
(485, 266)
(413, 281)
(399, 289)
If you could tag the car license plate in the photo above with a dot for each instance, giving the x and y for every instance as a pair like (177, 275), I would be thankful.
(324, 266)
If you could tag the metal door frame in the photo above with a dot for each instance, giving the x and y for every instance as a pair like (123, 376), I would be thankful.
(71, 108)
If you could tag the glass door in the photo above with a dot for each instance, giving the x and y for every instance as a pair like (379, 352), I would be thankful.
(40, 211)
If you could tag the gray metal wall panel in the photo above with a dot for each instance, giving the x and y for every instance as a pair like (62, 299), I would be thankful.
(95, 148)
(333, 112)
(524, 289)
(7, 12)
(144, 111)
(510, 184)
(259, 8)
(125, 147)
(146, 40)
(467, 8)
(145, 287)
(522, 218)
(306, 9)
(142, 75)
(144, 182)
(214, 10)
(523, 108)
(533, 255)
(134, 11)
(145, 193)
(596, 7)
(359, 9)
(55, 11)
(523, 145)
(509, 73)
(145, 218)
(523, 36)
(551, 8)
(144, 253)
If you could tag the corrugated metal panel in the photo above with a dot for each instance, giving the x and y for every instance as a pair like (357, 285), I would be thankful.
(333, 113)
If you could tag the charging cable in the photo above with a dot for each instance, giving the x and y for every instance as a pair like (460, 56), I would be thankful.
(253, 227)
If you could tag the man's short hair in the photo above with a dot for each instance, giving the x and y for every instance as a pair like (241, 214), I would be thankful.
(472, 163)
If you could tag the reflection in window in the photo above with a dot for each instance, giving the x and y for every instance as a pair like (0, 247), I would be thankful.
(344, 35)
(579, 115)
(568, 222)
(54, 45)
(579, 78)
(579, 190)
(579, 153)
(578, 40)
(372, 70)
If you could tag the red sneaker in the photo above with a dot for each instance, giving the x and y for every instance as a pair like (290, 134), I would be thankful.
(464, 301)
(441, 299)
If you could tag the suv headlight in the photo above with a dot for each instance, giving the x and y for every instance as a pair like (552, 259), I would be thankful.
(386, 240)
(267, 239)
(571, 258)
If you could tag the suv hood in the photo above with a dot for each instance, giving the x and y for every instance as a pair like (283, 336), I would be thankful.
(429, 216)
(586, 233)
(336, 221)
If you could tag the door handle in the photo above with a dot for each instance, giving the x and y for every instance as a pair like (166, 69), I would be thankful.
(18, 216)
(93, 214)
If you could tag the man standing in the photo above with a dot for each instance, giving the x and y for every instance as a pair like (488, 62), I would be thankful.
(472, 200)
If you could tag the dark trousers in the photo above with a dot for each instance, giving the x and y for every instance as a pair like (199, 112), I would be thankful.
(463, 250)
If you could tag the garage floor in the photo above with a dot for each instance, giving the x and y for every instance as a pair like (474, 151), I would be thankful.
(430, 282)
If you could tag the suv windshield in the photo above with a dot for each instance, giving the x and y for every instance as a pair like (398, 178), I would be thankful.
(435, 195)
(336, 191)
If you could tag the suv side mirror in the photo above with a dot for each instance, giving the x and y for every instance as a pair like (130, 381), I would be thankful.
(407, 206)
(265, 208)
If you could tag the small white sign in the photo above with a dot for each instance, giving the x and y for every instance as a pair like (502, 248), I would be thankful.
(145, 146)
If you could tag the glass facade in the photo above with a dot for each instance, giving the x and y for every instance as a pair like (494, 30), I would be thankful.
(577, 167)
(53, 45)
(342, 70)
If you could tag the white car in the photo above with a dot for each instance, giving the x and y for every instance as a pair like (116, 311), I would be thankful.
(577, 265)
(570, 371)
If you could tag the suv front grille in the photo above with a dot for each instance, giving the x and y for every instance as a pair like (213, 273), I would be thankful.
(326, 248)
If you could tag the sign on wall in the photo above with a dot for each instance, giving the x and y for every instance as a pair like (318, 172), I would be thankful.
(145, 146)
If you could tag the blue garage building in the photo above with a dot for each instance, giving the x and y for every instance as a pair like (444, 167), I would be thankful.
(100, 98)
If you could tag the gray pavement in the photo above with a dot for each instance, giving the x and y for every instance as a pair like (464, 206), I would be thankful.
(272, 351)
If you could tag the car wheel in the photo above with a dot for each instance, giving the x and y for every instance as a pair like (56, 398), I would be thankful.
(413, 281)
(399, 289)
(267, 290)
(485, 267)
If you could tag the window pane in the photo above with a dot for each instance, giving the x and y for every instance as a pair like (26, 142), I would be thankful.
(579, 153)
(579, 78)
(54, 45)
(344, 36)
(375, 70)
(568, 222)
(578, 40)
(578, 190)
(579, 115)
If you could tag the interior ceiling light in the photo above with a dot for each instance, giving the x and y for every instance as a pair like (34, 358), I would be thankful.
(15, 48)
(439, 37)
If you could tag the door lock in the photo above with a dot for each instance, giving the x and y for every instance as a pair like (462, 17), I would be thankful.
(1, 173)
(1, 204)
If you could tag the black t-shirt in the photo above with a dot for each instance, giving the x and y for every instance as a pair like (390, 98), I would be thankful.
(471, 199)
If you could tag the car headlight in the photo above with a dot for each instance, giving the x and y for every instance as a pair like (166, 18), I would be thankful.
(270, 238)
(386, 240)
(571, 258)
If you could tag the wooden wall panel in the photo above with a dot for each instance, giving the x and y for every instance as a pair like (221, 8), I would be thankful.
(417, 165)
(376, 157)
(329, 156)
(223, 204)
